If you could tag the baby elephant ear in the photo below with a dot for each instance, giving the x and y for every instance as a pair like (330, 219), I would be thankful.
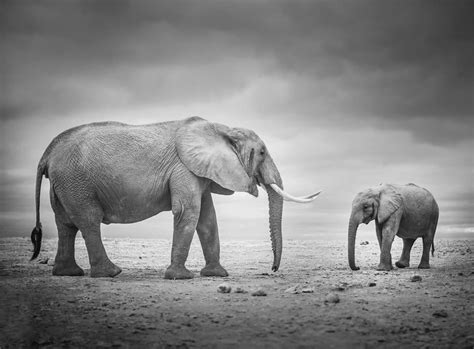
(390, 202)
(208, 150)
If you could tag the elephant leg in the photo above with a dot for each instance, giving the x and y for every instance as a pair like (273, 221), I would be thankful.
(385, 254)
(186, 208)
(378, 231)
(425, 258)
(65, 263)
(208, 233)
(404, 261)
(428, 241)
(89, 224)
(389, 230)
(101, 266)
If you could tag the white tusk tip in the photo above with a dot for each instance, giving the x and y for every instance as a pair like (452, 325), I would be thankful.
(288, 197)
(312, 196)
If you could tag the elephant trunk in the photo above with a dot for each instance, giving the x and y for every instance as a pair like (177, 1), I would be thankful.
(352, 231)
(270, 175)
(275, 204)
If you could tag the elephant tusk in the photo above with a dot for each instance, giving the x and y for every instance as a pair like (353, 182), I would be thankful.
(313, 196)
(289, 197)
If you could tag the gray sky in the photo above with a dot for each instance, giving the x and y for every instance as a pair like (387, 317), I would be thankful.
(346, 95)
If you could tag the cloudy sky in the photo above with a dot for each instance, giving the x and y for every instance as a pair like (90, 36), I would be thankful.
(346, 95)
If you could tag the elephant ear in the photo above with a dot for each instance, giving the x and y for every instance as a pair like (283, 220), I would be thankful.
(390, 201)
(209, 150)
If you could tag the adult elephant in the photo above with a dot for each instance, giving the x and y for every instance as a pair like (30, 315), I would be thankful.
(404, 210)
(116, 173)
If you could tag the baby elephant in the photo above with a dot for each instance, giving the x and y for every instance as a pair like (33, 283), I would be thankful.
(404, 210)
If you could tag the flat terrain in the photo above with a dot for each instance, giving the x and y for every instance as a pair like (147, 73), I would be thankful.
(139, 309)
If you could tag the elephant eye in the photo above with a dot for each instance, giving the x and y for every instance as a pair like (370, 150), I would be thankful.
(262, 152)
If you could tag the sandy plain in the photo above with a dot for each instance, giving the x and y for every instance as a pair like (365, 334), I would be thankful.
(313, 301)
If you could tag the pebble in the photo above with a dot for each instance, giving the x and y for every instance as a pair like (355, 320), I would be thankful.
(240, 290)
(260, 292)
(372, 284)
(440, 313)
(307, 289)
(224, 288)
(43, 260)
(341, 286)
(293, 289)
(415, 278)
(364, 243)
(332, 298)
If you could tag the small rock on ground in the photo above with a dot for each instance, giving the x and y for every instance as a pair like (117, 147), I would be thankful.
(332, 298)
(224, 288)
(259, 292)
(293, 289)
(440, 313)
(43, 260)
(240, 290)
(298, 288)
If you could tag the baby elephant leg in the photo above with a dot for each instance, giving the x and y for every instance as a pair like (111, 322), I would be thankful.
(425, 258)
(404, 261)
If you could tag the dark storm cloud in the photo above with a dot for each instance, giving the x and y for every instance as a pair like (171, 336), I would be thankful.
(386, 63)
(396, 66)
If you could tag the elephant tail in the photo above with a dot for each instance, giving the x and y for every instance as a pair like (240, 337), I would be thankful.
(37, 233)
(434, 224)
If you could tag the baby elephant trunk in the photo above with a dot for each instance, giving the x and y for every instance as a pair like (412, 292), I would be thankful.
(352, 231)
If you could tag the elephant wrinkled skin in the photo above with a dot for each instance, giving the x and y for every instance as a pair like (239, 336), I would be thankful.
(407, 211)
(111, 172)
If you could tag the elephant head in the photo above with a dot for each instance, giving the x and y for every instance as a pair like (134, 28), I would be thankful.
(374, 203)
(235, 159)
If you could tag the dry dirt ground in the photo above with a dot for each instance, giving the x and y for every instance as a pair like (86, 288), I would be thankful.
(139, 309)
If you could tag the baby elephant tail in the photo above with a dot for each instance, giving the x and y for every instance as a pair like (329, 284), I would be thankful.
(37, 233)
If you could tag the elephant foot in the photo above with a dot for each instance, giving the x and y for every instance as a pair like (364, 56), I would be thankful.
(402, 264)
(107, 269)
(67, 269)
(177, 273)
(214, 269)
(424, 266)
(386, 267)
